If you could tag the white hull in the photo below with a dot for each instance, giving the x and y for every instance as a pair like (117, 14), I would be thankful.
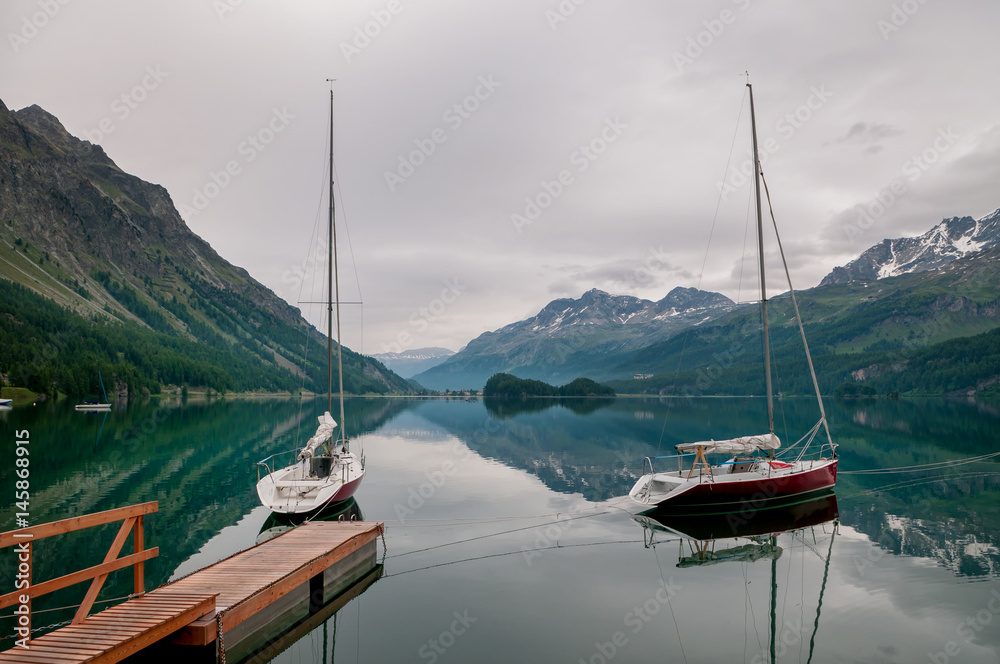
(294, 489)
(93, 407)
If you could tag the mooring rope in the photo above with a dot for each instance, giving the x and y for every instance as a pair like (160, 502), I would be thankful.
(937, 465)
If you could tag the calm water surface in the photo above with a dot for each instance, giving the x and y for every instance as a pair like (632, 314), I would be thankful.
(509, 538)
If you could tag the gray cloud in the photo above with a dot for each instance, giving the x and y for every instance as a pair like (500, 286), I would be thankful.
(556, 88)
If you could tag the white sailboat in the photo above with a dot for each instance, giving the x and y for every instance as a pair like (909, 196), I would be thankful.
(753, 471)
(94, 406)
(324, 471)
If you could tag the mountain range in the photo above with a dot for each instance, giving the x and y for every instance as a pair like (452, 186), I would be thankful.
(894, 318)
(409, 363)
(949, 240)
(156, 303)
(568, 337)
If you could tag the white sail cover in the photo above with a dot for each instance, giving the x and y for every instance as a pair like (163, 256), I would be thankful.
(741, 445)
(323, 433)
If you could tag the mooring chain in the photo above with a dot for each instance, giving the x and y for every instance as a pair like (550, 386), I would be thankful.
(222, 640)
(39, 629)
(385, 547)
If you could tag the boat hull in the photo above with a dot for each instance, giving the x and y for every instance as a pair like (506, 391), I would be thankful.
(728, 493)
(776, 517)
(291, 491)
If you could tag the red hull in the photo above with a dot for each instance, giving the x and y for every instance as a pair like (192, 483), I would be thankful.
(738, 494)
(345, 493)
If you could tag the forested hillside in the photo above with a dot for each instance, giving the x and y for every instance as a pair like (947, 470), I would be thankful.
(115, 281)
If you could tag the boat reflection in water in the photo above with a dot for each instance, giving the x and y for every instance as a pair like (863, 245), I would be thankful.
(748, 536)
(746, 523)
(278, 522)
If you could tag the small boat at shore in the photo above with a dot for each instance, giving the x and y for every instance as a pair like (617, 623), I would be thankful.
(6, 402)
(753, 472)
(95, 406)
(92, 407)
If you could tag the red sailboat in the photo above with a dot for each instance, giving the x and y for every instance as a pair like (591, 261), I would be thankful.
(754, 471)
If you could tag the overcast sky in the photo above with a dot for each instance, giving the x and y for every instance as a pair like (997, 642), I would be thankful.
(617, 119)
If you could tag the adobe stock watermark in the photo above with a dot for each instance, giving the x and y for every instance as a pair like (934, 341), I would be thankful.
(436, 647)
(122, 106)
(22, 502)
(423, 316)
(706, 375)
(580, 159)
(249, 149)
(298, 274)
(547, 538)
(33, 24)
(643, 275)
(566, 346)
(371, 29)
(223, 8)
(786, 127)
(636, 620)
(911, 170)
(899, 16)
(417, 496)
(790, 634)
(562, 12)
(455, 116)
(699, 42)
(968, 629)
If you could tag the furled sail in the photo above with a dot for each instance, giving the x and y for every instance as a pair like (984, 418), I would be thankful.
(741, 445)
(323, 433)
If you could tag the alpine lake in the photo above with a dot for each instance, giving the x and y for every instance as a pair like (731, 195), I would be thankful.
(510, 537)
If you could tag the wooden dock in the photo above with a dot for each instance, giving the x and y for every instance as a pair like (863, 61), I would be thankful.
(115, 633)
(279, 581)
(254, 598)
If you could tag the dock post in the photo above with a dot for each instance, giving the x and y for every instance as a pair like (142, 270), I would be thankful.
(316, 593)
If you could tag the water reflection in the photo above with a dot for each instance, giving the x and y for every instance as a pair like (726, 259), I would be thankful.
(747, 523)
(490, 530)
(750, 536)
(506, 408)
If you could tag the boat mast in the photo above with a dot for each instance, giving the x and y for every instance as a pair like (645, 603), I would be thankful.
(329, 274)
(760, 254)
(333, 290)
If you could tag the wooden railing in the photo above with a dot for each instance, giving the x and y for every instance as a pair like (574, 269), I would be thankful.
(130, 516)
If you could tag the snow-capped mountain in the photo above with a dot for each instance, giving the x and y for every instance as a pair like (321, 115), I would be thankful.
(409, 363)
(950, 240)
(569, 337)
(595, 307)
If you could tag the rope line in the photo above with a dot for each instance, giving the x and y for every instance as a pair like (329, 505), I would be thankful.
(937, 465)
(905, 484)
(503, 532)
(510, 553)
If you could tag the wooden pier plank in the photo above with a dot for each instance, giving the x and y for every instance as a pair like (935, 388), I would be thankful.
(248, 581)
(263, 574)
(93, 640)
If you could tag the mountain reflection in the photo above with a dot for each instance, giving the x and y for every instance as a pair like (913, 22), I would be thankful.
(507, 408)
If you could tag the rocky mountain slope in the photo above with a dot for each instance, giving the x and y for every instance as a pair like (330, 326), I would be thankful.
(931, 332)
(570, 338)
(949, 240)
(111, 247)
